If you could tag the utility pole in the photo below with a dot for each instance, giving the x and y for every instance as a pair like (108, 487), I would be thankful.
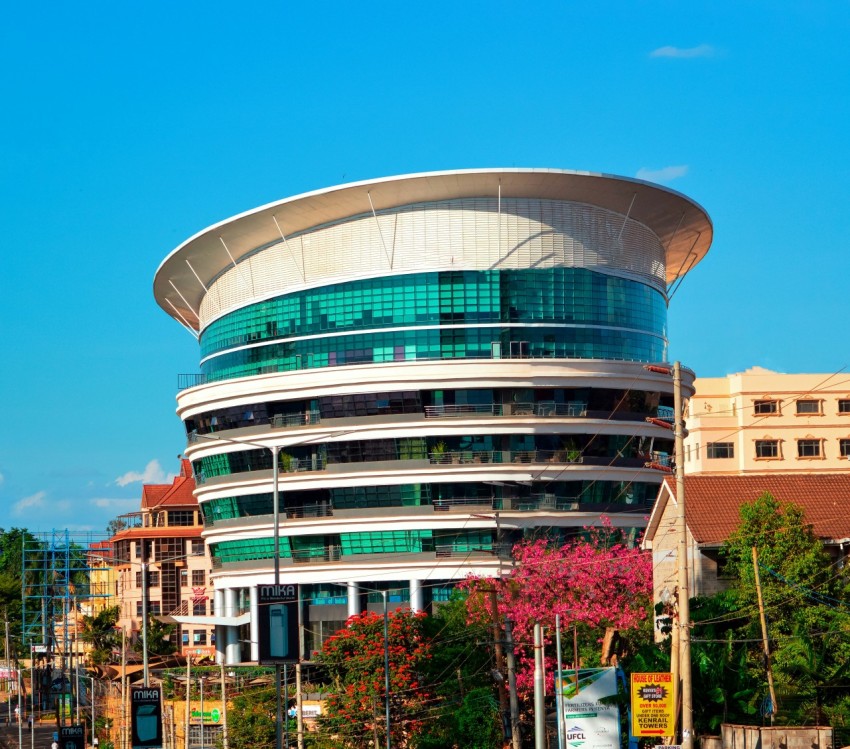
(499, 658)
(539, 704)
(225, 742)
(8, 668)
(511, 658)
(764, 636)
(684, 589)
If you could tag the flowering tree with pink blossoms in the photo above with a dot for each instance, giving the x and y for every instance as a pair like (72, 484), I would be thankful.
(597, 582)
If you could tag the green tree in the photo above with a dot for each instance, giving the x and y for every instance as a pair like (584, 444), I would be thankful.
(465, 712)
(354, 659)
(160, 637)
(99, 632)
(805, 600)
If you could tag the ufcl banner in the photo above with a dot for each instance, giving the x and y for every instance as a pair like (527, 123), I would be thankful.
(590, 723)
(652, 705)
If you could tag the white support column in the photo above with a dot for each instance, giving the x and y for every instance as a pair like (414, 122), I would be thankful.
(218, 603)
(417, 602)
(231, 653)
(255, 623)
(353, 599)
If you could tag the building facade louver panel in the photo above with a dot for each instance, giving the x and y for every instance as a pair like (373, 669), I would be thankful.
(460, 371)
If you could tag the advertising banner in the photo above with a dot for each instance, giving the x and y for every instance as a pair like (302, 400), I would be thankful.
(653, 711)
(590, 723)
(72, 737)
(278, 623)
(146, 717)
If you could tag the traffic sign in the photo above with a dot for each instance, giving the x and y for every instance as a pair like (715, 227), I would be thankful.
(146, 717)
(278, 625)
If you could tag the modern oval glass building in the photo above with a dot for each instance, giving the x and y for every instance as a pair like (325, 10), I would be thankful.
(447, 362)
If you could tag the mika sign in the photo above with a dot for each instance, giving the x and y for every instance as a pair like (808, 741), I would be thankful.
(653, 705)
(278, 625)
(72, 737)
(146, 714)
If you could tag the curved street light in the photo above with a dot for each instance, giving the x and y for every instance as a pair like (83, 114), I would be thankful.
(275, 451)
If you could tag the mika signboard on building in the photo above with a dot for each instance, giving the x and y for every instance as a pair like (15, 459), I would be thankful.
(146, 714)
(278, 622)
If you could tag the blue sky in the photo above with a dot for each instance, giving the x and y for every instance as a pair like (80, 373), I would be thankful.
(127, 127)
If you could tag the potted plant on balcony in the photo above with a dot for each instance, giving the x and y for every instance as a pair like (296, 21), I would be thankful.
(572, 454)
(438, 452)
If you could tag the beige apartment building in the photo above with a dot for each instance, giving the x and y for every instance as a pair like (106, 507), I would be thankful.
(165, 537)
(759, 421)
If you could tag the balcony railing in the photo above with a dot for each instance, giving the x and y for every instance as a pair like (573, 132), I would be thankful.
(467, 457)
(279, 421)
(309, 556)
(460, 503)
(546, 409)
(475, 457)
(450, 550)
(319, 510)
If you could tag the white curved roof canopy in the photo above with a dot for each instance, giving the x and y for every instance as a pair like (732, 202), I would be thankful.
(682, 226)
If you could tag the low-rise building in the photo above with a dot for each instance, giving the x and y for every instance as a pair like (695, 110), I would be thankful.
(165, 537)
(760, 421)
(712, 513)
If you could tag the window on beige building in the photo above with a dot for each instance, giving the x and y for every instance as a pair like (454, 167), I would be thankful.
(721, 450)
(844, 447)
(808, 406)
(198, 577)
(809, 448)
(844, 406)
(766, 407)
(767, 449)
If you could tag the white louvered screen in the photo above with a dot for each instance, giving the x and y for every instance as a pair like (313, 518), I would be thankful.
(460, 234)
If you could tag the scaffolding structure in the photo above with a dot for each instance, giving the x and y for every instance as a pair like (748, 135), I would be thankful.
(65, 574)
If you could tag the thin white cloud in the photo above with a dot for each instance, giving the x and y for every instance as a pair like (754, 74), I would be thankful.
(684, 53)
(2, 478)
(38, 506)
(153, 474)
(27, 504)
(665, 174)
(108, 503)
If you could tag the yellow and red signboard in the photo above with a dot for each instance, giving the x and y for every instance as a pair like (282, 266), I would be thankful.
(653, 711)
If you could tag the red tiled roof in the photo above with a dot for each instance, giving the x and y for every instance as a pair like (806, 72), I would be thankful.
(712, 502)
(180, 493)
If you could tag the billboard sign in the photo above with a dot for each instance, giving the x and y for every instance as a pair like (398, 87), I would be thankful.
(72, 737)
(278, 625)
(146, 714)
(590, 723)
(653, 710)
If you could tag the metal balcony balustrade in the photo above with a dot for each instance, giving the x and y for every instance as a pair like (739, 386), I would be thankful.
(541, 409)
(279, 421)
(319, 554)
(474, 457)
(333, 553)
(466, 457)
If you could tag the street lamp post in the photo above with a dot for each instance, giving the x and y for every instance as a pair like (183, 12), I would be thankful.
(275, 451)
(145, 670)
(386, 666)
(201, 683)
